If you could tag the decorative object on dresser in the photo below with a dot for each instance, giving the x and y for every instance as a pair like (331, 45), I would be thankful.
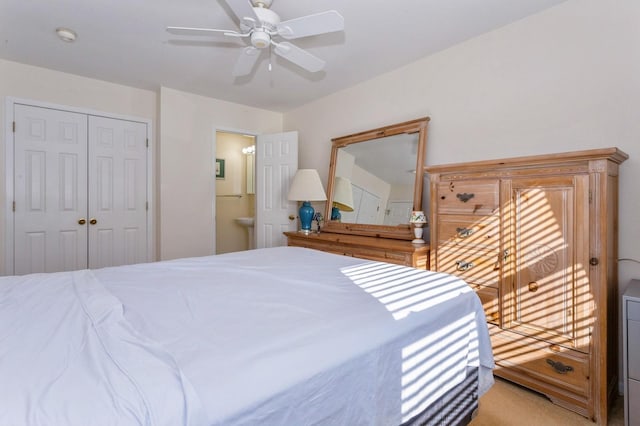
(342, 198)
(630, 351)
(536, 237)
(306, 186)
(380, 166)
(418, 219)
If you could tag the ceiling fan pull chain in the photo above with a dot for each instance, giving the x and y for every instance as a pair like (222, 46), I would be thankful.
(270, 55)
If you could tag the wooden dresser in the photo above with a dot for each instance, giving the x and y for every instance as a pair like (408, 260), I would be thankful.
(536, 237)
(401, 252)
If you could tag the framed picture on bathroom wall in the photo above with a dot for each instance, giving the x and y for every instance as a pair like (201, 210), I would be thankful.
(219, 168)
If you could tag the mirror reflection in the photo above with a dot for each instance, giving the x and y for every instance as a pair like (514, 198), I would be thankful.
(374, 181)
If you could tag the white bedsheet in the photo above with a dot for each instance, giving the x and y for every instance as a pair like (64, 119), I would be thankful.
(285, 336)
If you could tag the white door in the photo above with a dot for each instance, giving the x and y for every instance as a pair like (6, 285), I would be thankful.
(398, 212)
(276, 164)
(80, 191)
(369, 209)
(117, 192)
(50, 190)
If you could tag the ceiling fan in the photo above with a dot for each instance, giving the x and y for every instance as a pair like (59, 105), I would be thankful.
(260, 26)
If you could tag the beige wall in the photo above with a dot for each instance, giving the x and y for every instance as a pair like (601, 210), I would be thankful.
(187, 181)
(43, 85)
(565, 79)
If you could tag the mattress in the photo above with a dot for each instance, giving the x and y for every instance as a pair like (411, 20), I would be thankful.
(276, 336)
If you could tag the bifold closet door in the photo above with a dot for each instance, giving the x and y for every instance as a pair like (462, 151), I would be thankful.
(117, 192)
(50, 190)
(80, 188)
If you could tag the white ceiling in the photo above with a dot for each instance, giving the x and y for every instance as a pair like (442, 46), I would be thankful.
(125, 42)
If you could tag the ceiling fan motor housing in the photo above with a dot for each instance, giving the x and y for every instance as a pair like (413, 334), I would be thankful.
(260, 39)
(268, 18)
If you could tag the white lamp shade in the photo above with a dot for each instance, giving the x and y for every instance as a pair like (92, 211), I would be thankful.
(306, 186)
(343, 194)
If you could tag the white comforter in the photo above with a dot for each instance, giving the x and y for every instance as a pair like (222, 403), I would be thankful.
(285, 336)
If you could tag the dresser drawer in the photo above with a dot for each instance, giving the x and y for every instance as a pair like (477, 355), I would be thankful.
(490, 302)
(478, 197)
(473, 264)
(555, 365)
(481, 231)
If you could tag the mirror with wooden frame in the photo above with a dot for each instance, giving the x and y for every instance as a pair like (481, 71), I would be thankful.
(376, 180)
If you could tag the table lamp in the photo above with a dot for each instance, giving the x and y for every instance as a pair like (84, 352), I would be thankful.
(418, 219)
(342, 197)
(306, 187)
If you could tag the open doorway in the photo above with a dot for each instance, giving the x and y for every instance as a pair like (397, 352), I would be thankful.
(235, 191)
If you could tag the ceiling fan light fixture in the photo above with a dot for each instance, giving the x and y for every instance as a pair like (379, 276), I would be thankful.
(66, 35)
(262, 3)
(260, 39)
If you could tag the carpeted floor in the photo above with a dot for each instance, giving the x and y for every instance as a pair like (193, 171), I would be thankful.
(507, 404)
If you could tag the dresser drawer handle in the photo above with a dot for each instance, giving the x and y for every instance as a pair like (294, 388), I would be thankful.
(464, 232)
(462, 266)
(464, 197)
(559, 367)
(533, 286)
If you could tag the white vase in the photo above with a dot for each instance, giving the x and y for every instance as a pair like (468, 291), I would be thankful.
(417, 232)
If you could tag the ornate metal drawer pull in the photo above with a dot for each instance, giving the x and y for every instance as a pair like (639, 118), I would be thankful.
(462, 266)
(559, 367)
(464, 197)
(464, 232)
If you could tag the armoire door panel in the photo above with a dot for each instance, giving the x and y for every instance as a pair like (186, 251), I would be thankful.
(50, 189)
(547, 301)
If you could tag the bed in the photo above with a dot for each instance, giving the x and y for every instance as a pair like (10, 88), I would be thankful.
(279, 336)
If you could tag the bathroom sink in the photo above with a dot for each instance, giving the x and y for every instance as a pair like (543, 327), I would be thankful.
(245, 221)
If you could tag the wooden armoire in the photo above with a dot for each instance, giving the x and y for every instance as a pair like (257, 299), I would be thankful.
(536, 237)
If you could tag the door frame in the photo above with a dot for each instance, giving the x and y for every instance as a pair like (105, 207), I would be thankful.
(214, 142)
(9, 153)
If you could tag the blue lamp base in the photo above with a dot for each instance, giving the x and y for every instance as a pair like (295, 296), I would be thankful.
(306, 216)
(335, 213)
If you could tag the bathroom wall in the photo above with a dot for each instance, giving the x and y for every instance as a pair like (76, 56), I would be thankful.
(232, 200)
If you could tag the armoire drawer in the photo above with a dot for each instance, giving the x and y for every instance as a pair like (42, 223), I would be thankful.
(553, 364)
(477, 197)
(472, 264)
(459, 230)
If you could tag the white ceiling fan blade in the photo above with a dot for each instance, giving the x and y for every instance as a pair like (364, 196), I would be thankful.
(298, 56)
(200, 31)
(246, 61)
(243, 9)
(319, 23)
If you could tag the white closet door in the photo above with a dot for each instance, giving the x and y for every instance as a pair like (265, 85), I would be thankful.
(117, 192)
(369, 209)
(50, 187)
(276, 163)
